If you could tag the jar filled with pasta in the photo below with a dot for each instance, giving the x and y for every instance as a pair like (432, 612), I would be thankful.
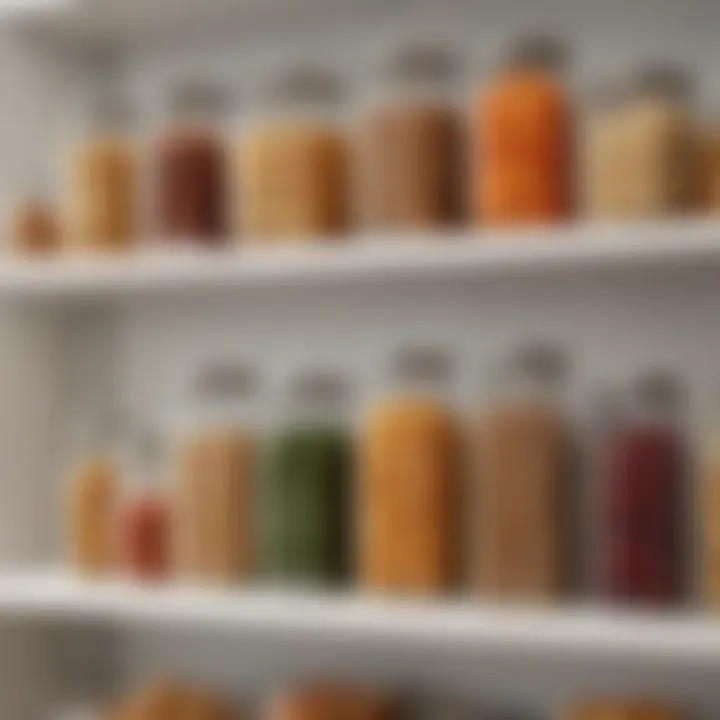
(307, 492)
(519, 487)
(215, 475)
(409, 146)
(523, 136)
(101, 188)
(406, 515)
(191, 169)
(292, 161)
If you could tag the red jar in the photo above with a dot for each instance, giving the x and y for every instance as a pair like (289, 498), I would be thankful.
(641, 500)
(144, 537)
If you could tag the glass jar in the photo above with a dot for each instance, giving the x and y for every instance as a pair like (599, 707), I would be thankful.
(144, 522)
(34, 227)
(710, 159)
(292, 161)
(407, 481)
(623, 709)
(641, 498)
(330, 702)
(410, 146)
(102, 183)
(215, 461)
(92, 496)
(523, 138)
(659, 146)
(191, 169)
(305, 508)
(708, 511)
(519, 542)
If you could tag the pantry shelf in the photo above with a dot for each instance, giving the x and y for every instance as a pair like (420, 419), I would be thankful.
(664, 246)
(456, 626)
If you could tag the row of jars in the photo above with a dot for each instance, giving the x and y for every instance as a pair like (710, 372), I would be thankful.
(163, 699)
(413, 160)
(416, 499)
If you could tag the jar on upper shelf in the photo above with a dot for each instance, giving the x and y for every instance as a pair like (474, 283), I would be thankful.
(523, 138)
(407, 481)
(306, 501)
(292, 161)
(409, 145)
(101, 189)
(215, 461)
(519, 489)
(641, 498)
(191, 171)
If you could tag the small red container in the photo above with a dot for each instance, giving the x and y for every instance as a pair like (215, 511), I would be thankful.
(144, 537)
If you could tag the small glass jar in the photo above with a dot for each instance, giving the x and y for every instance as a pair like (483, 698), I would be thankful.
(659, 146)
(102, 183)
(215, 471)
(641, 498)
(191, 170)
(292, 161)
(144, 521)
(410, 145)
(33, 225)
(306, 500)
(523, 137)
(92, 498)
(408, 481)
(520, 545)
(710, 170)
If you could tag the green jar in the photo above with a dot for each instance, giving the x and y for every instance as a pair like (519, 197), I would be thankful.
(306, 495)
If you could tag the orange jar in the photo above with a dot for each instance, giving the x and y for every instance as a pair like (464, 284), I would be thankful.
(523, 135)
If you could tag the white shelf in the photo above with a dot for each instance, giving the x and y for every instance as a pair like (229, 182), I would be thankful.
(666, 246)
(457, 626)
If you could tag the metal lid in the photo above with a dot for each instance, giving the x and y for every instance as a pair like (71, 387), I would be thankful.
(538, 51)
(224, 381)
(318, 386)
(200, 97)
(424, 363)
(659, 390)
(663, 80)
(423, 62)
(112, 112)
(305, 85)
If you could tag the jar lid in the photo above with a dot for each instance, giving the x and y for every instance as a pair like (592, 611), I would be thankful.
(304, 85)
(423, 62)
(223, 381)
(658, 389)
(200, 97)
(326, 387)
(112, 112)
(424, 363)
(538, 51)
(664, 80)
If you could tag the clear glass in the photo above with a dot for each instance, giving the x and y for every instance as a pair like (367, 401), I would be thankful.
(293, 161)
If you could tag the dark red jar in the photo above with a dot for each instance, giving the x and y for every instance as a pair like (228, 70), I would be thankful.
(144, 537)
(641, 501)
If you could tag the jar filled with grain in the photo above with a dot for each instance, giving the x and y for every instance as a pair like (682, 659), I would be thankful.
(292, 161)
(409, 145)
(519, 486)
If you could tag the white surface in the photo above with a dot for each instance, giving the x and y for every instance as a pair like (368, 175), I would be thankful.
(455, 625)
(481, 254)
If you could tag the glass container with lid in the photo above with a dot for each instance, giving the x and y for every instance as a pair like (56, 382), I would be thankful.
(642, 498)
(102, 182)
(407, 481)
(661, 144)
(306, 501)
(523, 135)
(410, 144)
(293, 160)
(191, 167)
(519, 545)
(215, 461)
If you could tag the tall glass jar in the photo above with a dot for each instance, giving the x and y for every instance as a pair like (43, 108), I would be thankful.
(708, 510)
(191, 168)
(410, 145)
(407, 481)
(215, 472)
(660, 146)
(641, 498)
(519, 490)
(102, 183)
(523, 138)
(305, 504)
(91, 502)
(292, 161)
